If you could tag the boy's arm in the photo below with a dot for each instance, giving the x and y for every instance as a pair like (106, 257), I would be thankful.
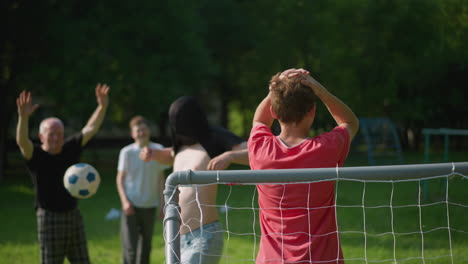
(262, 113)
(25, 109)
(127, 206)
(95, 121)
(342, 114)
(163, 156)
(239, 155)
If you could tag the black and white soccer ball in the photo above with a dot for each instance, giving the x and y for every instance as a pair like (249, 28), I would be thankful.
(81, 180)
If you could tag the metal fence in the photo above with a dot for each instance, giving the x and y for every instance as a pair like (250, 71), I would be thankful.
(394, 172)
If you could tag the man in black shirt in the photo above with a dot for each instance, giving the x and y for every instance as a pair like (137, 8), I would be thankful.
(60, 225)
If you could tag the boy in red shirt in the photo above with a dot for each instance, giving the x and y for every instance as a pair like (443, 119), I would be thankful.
(298, 221)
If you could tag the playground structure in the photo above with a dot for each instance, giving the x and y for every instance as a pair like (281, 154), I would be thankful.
(446, 133)
(379, 138)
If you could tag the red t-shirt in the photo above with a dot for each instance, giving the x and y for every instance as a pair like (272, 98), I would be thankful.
(298, 220)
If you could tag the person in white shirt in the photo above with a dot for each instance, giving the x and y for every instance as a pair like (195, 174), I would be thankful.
(140, 185)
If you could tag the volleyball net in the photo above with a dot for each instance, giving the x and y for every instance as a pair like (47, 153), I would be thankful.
(381, 214)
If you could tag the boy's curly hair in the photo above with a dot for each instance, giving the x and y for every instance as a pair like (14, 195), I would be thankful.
(290, 99)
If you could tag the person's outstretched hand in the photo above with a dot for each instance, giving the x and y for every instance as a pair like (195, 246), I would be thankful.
(102, 96)
(146, 154)
(25, 105)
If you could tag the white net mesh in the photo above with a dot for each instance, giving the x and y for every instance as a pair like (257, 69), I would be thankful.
(386, 221)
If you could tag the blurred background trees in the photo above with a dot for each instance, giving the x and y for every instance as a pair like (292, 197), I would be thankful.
(401, 59)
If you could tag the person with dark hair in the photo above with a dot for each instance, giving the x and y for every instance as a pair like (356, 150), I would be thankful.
(199, 146)
(140, 185)
(59, 221)
(298, 221)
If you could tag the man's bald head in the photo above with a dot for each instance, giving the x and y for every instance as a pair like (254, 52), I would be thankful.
(51, 134)
(51, 121)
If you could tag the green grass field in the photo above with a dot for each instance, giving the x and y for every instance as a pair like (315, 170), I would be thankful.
(18, 236)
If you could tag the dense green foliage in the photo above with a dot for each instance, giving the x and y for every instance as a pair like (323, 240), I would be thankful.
(403, 59)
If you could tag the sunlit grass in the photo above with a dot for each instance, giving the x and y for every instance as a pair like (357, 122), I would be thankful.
(18, 235)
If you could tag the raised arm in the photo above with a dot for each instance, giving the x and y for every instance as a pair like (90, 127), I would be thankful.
(95, 121)
(262, 113)
(25, 109)
(239, 155)
(342, 114)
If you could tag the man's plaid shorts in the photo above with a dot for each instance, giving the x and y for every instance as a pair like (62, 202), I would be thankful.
(61, 234)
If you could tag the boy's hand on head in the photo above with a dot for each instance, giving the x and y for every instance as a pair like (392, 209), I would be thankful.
(288, 74)
(309, 81)
(292, 72)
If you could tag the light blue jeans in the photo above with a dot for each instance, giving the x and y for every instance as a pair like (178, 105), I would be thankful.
(205, 247)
